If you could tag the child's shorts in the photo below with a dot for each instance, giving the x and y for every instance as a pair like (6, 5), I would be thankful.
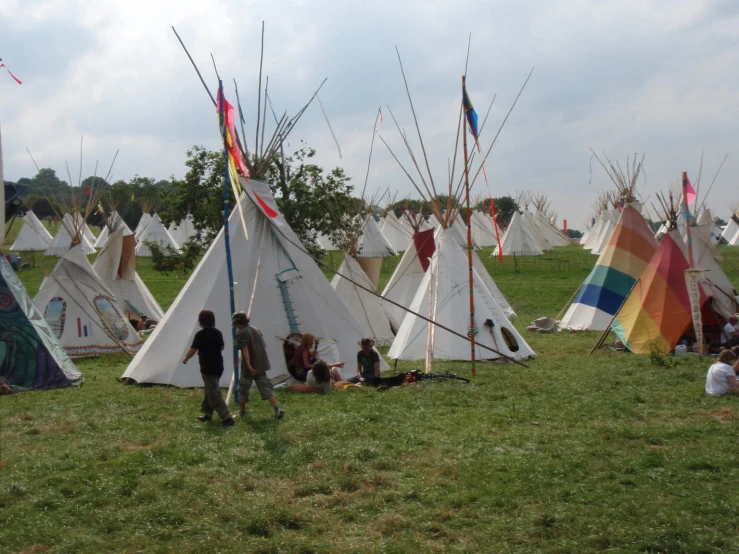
(264, 385)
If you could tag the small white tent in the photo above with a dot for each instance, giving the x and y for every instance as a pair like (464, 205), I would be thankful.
(82, 311)
(372, 249)
(33, 236)
(183, 231)
(441, 297)
(518, 239)
(482, 232)
(102, 239)
(396, 234)
(63, 240)
(142, 225)
(367, 308)
(286, 290)
(155, 232)
(326, 243)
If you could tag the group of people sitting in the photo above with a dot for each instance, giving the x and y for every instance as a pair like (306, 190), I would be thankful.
(321, 377)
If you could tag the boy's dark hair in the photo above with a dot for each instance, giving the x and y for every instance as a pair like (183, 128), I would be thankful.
(207, 318)
(321, 372)
(240, 318)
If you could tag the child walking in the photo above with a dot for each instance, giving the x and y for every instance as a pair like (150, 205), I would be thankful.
(254, 364)
(208, 344)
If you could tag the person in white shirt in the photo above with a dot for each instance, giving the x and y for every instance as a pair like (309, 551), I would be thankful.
(729, 334)
(721, 379)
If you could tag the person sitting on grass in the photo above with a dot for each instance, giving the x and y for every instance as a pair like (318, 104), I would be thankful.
(721, 379)
(254, 364)
(307, 355)
(729, 334)
(208, 344)
(368, 363)
(321, 379)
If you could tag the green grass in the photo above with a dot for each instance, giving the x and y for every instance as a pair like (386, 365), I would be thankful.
(574, 453)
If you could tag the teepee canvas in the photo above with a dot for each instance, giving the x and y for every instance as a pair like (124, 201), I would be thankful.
(482, 232)
(275, 280)
(731, 228)
(444, 289)
(82, 311)
(33, 236)
(30, 354)
(155, 232)
(630, 249)
(372, 249)
(518, 239)
(62, 241)
(396, 234)
(102, 238)
(183, 231)
(657, 311)
(367, 308)
(408, 275)
(116, 267)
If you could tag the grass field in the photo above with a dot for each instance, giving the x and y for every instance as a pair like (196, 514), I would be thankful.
(574, 453)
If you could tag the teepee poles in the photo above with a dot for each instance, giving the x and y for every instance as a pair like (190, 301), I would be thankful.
(469, 243)
(227, 241)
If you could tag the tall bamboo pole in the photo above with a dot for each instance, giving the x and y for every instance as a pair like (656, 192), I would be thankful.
(469, 244)
(226, 235)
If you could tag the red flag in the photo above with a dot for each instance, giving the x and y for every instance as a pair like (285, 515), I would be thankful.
(87, 191)
(690, 192)
(497, 232)
(229, 113)
(17, 80)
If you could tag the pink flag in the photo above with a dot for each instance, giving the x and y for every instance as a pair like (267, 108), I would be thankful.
(690, 192)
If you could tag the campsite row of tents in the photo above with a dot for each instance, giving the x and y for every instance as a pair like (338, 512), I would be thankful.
(86, 307)
(637, 287)
(33, 236)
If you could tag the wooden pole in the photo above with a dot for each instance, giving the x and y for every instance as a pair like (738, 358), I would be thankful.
(469, 245)
(226, 236)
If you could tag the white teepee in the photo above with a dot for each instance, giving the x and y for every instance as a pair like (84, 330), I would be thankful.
(82, 311)
(102, 239)
(482, 232)
(396, 234)
(116, 267)
(518, 239)
(63, 239)
(275, 280)
(372, 249)
(155, 232)
(183, 231)
(326, 243)
(142, 225)
(33, 236)
(441, 296)
(407, 277)
(367, 308)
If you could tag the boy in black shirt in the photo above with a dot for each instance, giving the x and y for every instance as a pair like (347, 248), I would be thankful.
(208, 343)
(368, 363)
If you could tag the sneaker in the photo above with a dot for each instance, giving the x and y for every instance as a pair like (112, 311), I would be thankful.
(279, 414)
(204, 418)
(229, 422)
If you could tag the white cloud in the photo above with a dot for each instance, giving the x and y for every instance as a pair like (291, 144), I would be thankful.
(623, 77)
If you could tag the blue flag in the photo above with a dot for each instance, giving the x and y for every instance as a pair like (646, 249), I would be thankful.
(469, 112)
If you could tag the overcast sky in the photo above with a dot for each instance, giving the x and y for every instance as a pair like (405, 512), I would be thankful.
(623, 76)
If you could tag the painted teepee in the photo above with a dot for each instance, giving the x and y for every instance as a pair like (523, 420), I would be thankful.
(32, 356)
(623, 260)
(33, 236)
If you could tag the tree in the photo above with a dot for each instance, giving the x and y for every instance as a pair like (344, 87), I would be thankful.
(310, 200)
(199, 194)
(505, 206)
(574, 233)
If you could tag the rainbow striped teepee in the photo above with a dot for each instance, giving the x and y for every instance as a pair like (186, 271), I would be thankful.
(658, 309)
(625, 257)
